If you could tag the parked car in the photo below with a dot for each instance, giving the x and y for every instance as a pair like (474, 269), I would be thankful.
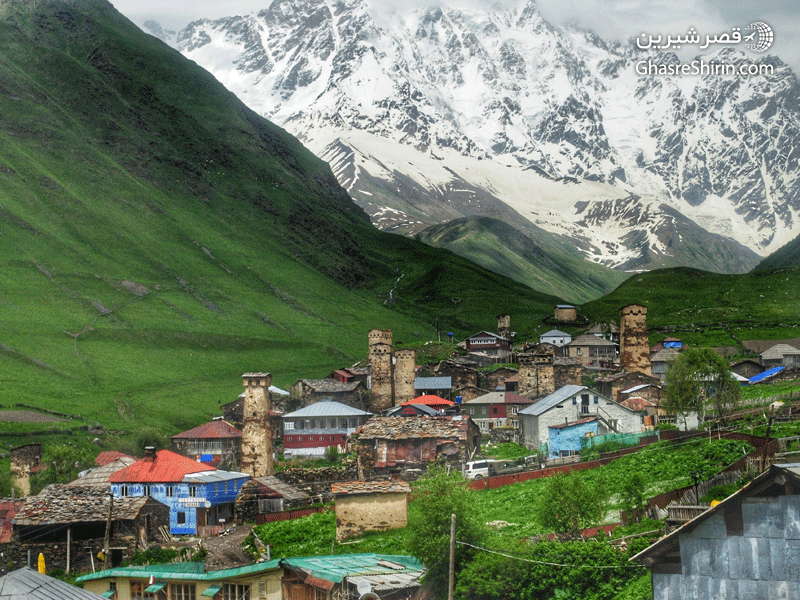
(505, 467)
(477, 469)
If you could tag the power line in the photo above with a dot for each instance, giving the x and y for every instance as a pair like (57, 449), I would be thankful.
(551, 564)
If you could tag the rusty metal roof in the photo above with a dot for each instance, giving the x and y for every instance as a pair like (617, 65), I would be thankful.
(348, 488)
(58, 504)
(211, 430)
(399, 428)
(108, 456)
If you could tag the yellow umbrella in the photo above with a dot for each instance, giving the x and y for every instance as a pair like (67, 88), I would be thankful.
(41, 564)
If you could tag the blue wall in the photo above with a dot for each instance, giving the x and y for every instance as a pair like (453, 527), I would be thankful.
(208, 495)
(569, 438)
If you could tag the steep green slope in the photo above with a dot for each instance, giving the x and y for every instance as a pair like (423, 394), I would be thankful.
(498, 246)
(786, 256)
(707, 308)
(157, 238)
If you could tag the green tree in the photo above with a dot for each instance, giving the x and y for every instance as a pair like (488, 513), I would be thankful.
(633, 494)
(700, 376)
(569, 504)
(436, 497)
(62, 464)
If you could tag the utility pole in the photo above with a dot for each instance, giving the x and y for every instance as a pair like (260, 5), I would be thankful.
(452, 579)
(107, 538)
(772, 408)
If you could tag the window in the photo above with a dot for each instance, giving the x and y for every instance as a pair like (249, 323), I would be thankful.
(574, 401)
(472, 410)
(181, 591)
(138, 591)
(288, 425)
(312, 424)
(483, 410)
(169, 491)
(181, 518)
(596, 400)
(124, 490)
(145, 490)
(514, 409)
(216, 488)
(235, 591)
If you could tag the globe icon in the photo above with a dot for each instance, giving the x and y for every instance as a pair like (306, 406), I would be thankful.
(765, 36)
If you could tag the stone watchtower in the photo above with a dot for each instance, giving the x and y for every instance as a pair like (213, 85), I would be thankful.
(404, 375)
(256, 426)
(634, 346)
(536, 375)
(504, 326)
(380, 360)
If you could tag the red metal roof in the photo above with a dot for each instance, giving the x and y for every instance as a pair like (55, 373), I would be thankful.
(109, 456)
(212, 429)
(430, 400)
(167, 467)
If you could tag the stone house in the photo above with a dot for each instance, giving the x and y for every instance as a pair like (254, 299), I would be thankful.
(310, 431)
(213, 443)
(648, 391)
(611, 385)
(747, 368)
(67, 524)
(199, 496)
(394, 445)
(331, 577)
(25, 460)
(186, 581)
(592, 351)
(266, 495)
(567, 371)
(309, 391)
(462, 372)
(565, 313)
(744, 547)
(496, 379)
(571, 403)
(369, 506)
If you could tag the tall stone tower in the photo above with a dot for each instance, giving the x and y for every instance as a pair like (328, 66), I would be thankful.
(404, 375)
(536, 375)
(380, 359)
(504, 326)
(634, 354)
(256, 426)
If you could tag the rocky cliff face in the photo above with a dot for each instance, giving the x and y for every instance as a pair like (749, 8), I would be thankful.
(432, 114)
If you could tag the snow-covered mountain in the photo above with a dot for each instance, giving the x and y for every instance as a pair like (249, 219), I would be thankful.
(428, 115)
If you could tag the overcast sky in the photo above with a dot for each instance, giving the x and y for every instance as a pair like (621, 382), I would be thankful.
(611, 19)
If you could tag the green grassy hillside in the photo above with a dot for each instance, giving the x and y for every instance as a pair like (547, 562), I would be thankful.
(543, 266)
(157, 238)
(786, 256)
(707, 308)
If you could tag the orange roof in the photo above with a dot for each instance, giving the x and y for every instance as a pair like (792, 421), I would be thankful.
(429, 400)
(212, 429)
(109, 456)
(167, 467)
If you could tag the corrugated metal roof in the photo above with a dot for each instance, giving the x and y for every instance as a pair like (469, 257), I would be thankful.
(57, 504)
(326, 408)
(636, 388)
(766, 374)
(548, 402)
(500, 398)
(183, 571)
(555, 333)
(347, 488)
(335, 568)
(167, 467)
(27, 584)
(433, 383)
(211, 430)
(213, 476)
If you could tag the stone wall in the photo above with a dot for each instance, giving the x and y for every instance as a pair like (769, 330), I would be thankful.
(356, 514)
(536, 375)
(317, 482)
(504, 326)
(567, 371)
(634, 343)
(381, 372)
(257, 428)
(23, 459)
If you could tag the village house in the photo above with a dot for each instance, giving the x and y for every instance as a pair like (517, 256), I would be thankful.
(488, 344)
(661, 361)
(565, 439)
(780, 355)
(565, 313)
(592, 351)
(309, 391)
(495, 409)
(462, 372)
(359, 576)
(268, 494)
(200, 497)
(410, 409)
(187, 581)
(100, 477)
(310, 431)
(108, 456)
(606, 331)
(611, 385)
(214, 443)
(744, 547)
(496, 378)
(435, 386)
(351, 374)
(571, 403)
(556, 337)
(369, 506)
(67, 525)
(747, 368)
(435, 402)
(393, 445)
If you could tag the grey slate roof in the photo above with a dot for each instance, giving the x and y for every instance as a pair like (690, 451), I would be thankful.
(778, 351)
(587, 339)
(58, 504)
(330, 386)
(326, 408)
(99, 477)
(289, 492)
(550, 401)
(27, 584)
(433, 383)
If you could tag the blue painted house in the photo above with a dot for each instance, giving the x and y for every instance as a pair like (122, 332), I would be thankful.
(565, 439)
(198, 495)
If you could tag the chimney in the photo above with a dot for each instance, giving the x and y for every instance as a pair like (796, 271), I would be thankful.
(150, 453)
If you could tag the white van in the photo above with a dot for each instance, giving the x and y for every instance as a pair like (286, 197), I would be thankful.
(477, 469)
